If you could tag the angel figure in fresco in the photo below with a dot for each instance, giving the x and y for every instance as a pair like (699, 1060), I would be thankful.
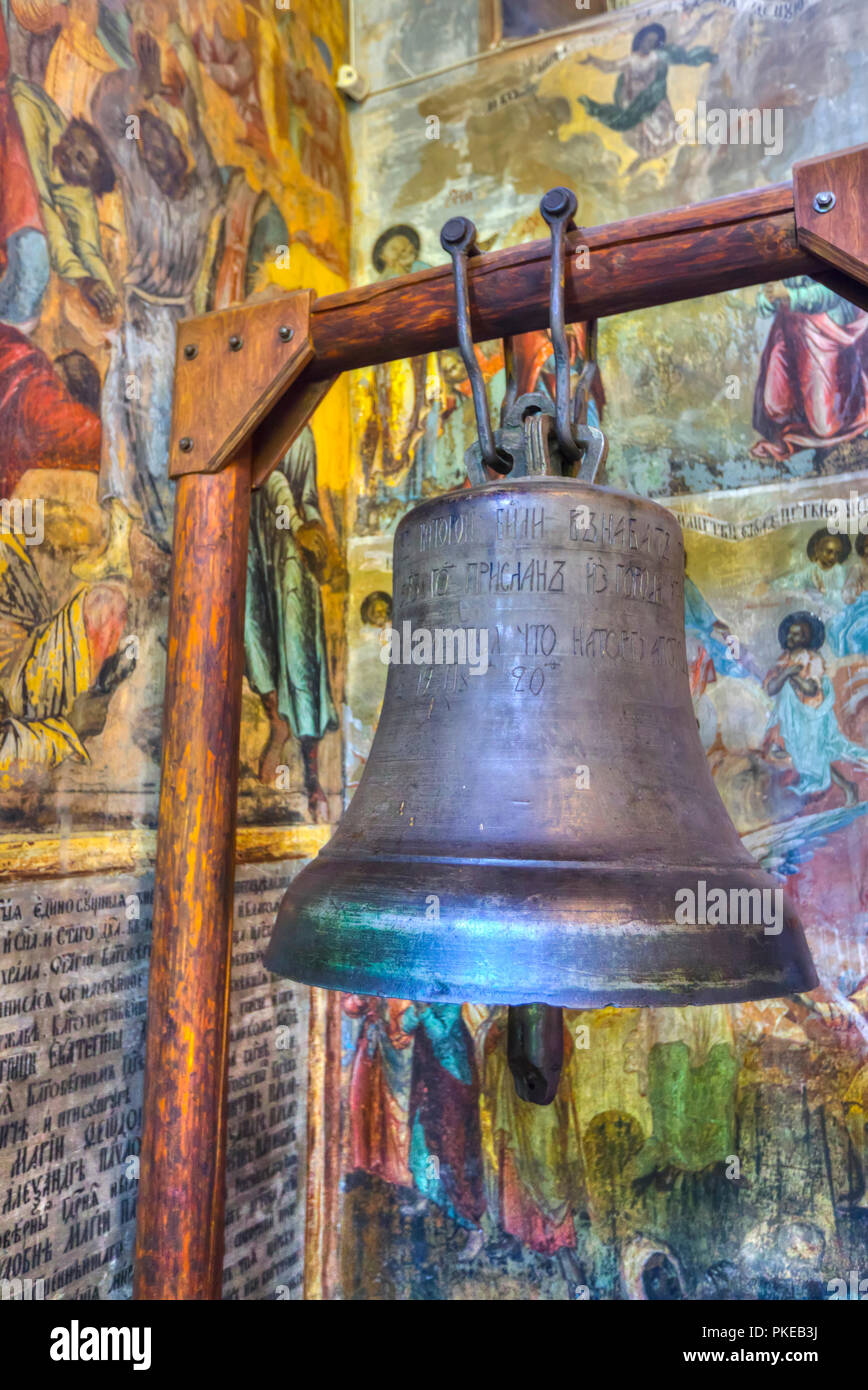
(284, 632)
(641, 111)
(171, 191)
(380, 1089)
(812, 385)
(803, 723)
(445, 1144)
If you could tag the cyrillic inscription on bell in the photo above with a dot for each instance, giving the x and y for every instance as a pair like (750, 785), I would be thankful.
(536, 815)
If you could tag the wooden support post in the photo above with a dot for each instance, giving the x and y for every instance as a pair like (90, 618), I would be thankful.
(179, 1247)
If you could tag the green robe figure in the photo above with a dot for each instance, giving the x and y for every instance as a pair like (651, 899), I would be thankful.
(284, 632)
(641, 111)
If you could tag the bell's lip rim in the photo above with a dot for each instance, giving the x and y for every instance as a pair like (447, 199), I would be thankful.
(798, 975)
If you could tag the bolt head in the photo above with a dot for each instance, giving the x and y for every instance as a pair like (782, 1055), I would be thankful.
(453, 230)
(190, 351)
(236, 343)
(284, 333)
(556, 201)
(185, 444)
(824, 201)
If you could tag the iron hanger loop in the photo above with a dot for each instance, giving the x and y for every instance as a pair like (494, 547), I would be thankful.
(579, 442)
(458, 237)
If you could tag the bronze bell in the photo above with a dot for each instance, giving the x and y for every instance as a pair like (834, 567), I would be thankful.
(536, 816)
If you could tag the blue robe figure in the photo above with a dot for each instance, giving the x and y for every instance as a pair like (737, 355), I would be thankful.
(284, 631)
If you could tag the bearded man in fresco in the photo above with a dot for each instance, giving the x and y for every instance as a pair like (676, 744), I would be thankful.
(804, 721)
(171, 191)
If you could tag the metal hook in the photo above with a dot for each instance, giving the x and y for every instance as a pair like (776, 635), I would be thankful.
(458, 237)
(558, 207)
(579, 442)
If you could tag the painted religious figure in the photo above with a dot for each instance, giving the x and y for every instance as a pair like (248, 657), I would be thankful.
(284, 632)
(812, 386)
(804, 721)
(641, 111)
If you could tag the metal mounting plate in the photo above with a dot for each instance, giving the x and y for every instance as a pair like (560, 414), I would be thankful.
(231, 367)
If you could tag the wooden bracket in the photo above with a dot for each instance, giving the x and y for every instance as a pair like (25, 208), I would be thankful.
(231, 367)
(830, 196)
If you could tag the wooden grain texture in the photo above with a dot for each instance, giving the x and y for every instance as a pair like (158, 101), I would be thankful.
(839, 236)
(179, 1241)
(324, 1147)
(222, 391)
(705, 249)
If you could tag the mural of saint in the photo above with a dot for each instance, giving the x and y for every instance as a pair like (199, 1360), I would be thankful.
(392, 400)
(812, 385)
(641, 111)
(171, 189)
(284, 631)
(445, 1144)
(804, 721)
(379, 1089)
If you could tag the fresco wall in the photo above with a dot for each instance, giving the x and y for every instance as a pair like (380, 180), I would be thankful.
(716, 1152)
(159, 159)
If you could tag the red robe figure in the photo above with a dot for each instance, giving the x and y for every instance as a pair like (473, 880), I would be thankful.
(379, 1089)
(812, 388)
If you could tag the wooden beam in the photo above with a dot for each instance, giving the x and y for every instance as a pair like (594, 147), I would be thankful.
(831, 208)
(745, 239)
(179, 1237)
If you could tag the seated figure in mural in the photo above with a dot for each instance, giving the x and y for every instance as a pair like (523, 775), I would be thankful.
(445, 1143)
(70, 168)
(804, 722)
(284, 632)
(812, 385)
(641, 111)
(58, 669)
(177, 177)
(380, 1089)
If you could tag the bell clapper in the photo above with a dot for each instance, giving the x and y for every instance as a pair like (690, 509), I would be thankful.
(535, 1049)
